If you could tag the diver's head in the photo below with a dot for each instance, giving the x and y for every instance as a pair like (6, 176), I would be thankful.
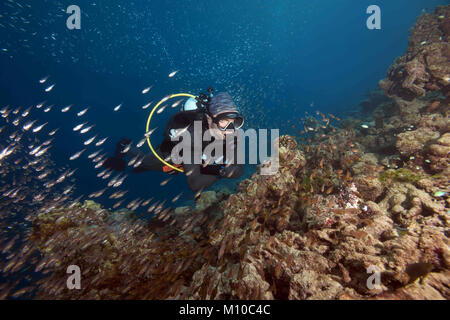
(223, 115)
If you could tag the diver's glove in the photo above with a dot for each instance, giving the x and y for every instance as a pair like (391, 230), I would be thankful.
(117, 162)
(121, 146)
(214, 170)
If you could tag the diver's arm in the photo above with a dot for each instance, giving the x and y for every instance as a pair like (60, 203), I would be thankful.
(195, 179)
(230, 172)
(233, 171)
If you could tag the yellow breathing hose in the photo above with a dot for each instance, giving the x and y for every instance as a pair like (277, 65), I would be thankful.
(148, 125)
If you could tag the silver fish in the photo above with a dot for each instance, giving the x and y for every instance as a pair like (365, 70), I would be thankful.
(138, 163)
(161, 109)
(53, 132)
(45, 143)
(82, 112)
(89, 141)
(107, 175)
(100, 142)
(93, 155)
(119, 182)
(99, 158)
(141, 143)
(117, 108)
(66, 108)
(177, 197)
(72, 172)
(99, 164)
(113, 180)
(43, 80)
(101, 174)
(132, 161)
(41, 152)
(86, 129)
(127, 148)
(48, 89)
(28, 125)
(147, 105)
(39, 128)
(77, 155)
(165, 182)
(26, 112)
(97, 194)
(78, 127)
(175, 104)
(149, 133)
(146, 90)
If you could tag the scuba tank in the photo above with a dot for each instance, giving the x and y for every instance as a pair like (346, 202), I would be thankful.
(200, 103)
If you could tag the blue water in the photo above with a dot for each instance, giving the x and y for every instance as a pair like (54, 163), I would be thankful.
(278, 59)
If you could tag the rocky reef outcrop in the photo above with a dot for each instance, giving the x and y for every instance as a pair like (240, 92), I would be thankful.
(426, 65)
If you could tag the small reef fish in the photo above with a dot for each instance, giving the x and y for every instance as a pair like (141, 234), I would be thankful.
(100, 142)
(176, 104)
(172, 74)
(43, 80)
(78, 127)
(48, 89)
(141, 143)
(66, 108)
(161, 109)
(26, 112)
(89, 141)
(77, 155)
(147, 105)
(149, 133)
(146, 90)
(82, 112)
(53, 132)
(28, 125)
(93, 155)
(40, 105)
(86, 129)
(117, 108)
(39, 128)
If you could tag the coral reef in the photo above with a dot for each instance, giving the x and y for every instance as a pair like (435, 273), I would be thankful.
(278, 237)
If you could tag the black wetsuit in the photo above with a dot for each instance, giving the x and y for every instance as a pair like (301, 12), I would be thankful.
(199, 176)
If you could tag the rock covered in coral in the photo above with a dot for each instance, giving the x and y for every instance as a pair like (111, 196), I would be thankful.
(426, 65)
(369, 187)
(412, 142)
(439, 154)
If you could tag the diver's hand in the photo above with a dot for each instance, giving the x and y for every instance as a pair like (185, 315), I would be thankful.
(120, 146)
(213, 170)
(115, 163)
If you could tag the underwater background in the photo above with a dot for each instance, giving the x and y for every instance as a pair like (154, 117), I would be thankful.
(281, 61)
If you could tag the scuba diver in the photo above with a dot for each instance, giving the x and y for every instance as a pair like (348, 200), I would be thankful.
(215, 112)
